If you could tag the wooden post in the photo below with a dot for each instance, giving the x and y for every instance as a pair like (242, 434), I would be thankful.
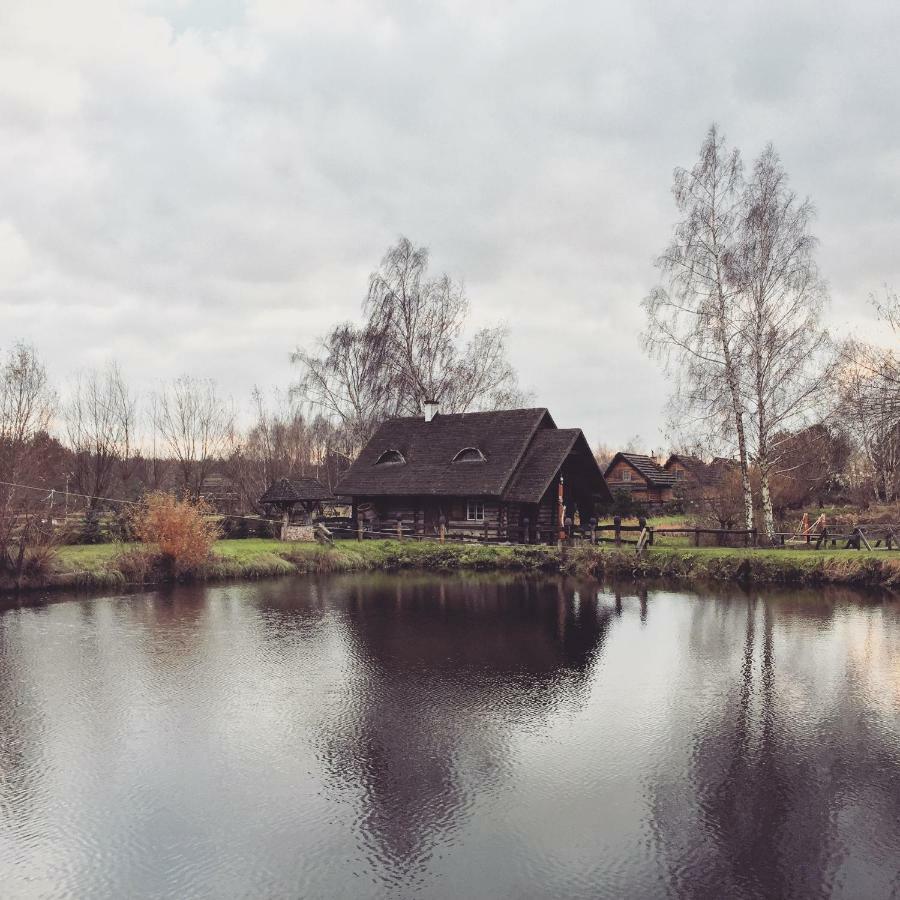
(593, 530)
(650, 535)
(889, 540)
(696, 537)
(617, 525)
(400, 529)
(526, 530)
(442, 529)
(359, 527)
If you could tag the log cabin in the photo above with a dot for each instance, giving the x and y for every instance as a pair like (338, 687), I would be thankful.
(695, 478)
(492, 475)
(640, 476)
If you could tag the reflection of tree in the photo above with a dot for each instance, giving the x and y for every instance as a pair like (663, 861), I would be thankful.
(446, 674)
(778, 770)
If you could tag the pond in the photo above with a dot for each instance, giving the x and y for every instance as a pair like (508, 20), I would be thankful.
(471, 736)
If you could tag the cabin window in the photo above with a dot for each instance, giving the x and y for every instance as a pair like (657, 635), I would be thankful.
(474, 510)
(679, 474)
(626, 474)
(390, 458)
(469, 454)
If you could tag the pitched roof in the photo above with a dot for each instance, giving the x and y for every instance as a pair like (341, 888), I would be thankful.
(706, 473)
(295, 490)
(546, 455)
(428, 449)
(653, 473)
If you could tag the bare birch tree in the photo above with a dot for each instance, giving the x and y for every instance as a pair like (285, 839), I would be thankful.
(869, 411)
(196, 426)
(423, 320)
(411, 348)
(782, 298)
(870, 402)
(26, 408)
(349, 378)
(693, 322)
(100, 422)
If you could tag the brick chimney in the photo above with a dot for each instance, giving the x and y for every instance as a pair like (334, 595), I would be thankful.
(431, 409)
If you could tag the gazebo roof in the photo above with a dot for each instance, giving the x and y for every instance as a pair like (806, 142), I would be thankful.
(288, 491)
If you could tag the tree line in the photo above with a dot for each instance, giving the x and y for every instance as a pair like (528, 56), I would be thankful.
(737, 320)
(97, 440)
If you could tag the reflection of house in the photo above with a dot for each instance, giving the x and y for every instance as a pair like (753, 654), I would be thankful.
(640, 476)
(443, 671)
(490, 472)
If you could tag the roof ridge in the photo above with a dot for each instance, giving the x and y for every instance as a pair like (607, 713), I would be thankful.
(518, 460)
(575, 432)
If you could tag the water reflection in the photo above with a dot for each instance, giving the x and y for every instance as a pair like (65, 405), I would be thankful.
(445, 673)
(480, 736)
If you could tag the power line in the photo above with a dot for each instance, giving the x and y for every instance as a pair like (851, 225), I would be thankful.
(52, 491)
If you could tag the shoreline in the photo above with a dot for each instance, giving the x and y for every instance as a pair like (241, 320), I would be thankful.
(118, 567)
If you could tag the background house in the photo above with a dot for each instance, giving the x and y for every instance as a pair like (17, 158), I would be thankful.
(641, 477)
(497, 474)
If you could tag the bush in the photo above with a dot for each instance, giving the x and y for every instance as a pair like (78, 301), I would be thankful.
(184, 531)
(626, 506)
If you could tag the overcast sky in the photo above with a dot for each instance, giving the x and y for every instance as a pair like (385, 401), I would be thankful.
(202, 186)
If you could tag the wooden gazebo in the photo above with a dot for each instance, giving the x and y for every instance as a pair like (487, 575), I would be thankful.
(293, 496)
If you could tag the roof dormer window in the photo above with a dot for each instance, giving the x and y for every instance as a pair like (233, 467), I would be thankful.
(390, 458)
(469, 454)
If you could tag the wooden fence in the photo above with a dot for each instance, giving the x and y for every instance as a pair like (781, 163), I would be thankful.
(872, 538)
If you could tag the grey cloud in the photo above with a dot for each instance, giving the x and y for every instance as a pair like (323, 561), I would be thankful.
(198, 186)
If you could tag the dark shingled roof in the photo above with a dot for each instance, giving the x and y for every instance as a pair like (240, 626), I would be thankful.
(523, 452)
(502, 436)
(708, 474)
(651, 471)
(295, 490)
(545, 457)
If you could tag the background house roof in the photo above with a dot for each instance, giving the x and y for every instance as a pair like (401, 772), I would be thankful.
(502, 436)
(707, 474)
(652, 472)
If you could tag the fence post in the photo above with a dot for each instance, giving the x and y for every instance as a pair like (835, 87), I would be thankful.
(526, 530)
(593, 530)
(442, 529)
(400, 529)
(617, 526)
(650, 535)
(696, 537)
(359, 527)
(889, 539)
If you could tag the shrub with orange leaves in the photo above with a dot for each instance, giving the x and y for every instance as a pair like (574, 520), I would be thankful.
(183, 530)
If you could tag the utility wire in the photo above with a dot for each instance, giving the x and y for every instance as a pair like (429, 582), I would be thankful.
(52, 491)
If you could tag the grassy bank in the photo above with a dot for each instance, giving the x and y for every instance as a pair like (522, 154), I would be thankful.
(120, 565)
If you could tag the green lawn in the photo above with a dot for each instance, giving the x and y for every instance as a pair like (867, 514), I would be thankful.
(100, 566)
(776, 553)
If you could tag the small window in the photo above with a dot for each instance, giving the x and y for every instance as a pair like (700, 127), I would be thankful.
(469, 454)
(679, 474)
(475, 511)
(626, 474)
(390, 458)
